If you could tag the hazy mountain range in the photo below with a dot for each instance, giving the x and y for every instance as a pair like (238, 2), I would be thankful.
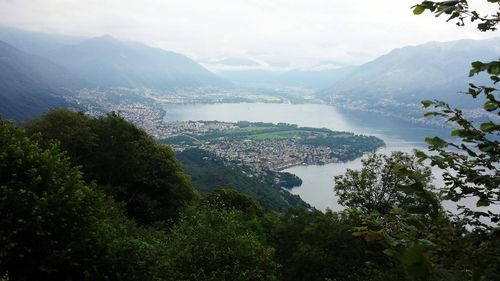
(309, 79)
(411, 74)
(107, 62)
(30, 84)
(37, 70)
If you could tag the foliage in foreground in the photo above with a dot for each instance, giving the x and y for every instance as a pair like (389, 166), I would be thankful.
(123, 160)
(377, 186)
(57, 226)
(54, 226)
(218, 244)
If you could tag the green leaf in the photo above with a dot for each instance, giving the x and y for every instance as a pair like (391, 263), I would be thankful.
(420, 154)
(436, 141)
(426, 242)
(477, 65)
(433, 113)
(482, 203)
(494, 68)
(489, 127)
(427, 103)
(419, 9)
(490, 106)
(388, 252)
(416, 261)
(485, 147)
(410, 188)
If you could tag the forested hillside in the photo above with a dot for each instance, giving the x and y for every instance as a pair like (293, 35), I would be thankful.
(92, 197)
(209, 172)
(122, 160)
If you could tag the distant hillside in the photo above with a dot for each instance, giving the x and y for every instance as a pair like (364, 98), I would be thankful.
(411, 74)
(107, 62)
(36, 43)
(29, 84)
(209, 172)
(36, 69)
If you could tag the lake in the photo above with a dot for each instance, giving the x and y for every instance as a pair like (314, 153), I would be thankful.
(317, 186)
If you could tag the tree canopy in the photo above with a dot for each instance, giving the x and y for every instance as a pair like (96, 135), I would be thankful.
(377, 185)
(123, 160)
(54, 226)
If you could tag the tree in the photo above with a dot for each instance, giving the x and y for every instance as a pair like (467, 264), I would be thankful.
(73, 132)
(377, 186)
(230, 199)
(472, 164)
(392, 198)
(123, 160)
(312, 245)
(46, 209)
(54, 226)
(214, 245)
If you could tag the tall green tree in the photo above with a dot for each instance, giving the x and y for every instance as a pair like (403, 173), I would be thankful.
(123, 160)
(376, 187)
(54, 226)
(390, 197)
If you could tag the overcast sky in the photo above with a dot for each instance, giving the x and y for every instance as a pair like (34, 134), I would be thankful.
(297, 33)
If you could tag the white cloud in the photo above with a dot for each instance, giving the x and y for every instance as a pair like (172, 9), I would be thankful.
(292, 32)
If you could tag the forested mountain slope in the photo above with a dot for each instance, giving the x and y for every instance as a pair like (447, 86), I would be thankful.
(29, 84)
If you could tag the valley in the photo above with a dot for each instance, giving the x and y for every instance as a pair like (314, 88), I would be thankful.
(175, 99)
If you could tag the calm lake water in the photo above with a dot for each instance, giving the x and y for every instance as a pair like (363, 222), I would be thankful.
(317, 186)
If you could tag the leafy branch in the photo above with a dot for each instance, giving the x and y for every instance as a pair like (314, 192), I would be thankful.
(460, 11)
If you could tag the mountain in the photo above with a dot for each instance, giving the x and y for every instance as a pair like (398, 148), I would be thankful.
(411, 74)
(228, 62)
(309, 79)
(29, 84)
(37, 69)
(36, 43)
(107, 62)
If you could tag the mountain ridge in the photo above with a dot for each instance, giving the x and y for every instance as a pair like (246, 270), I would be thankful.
(414, 73)
(108, 62)
(29, 84)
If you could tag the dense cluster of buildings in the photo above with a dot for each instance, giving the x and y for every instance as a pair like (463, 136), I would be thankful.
(164, 130)
(259, 155)
(274, 155)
